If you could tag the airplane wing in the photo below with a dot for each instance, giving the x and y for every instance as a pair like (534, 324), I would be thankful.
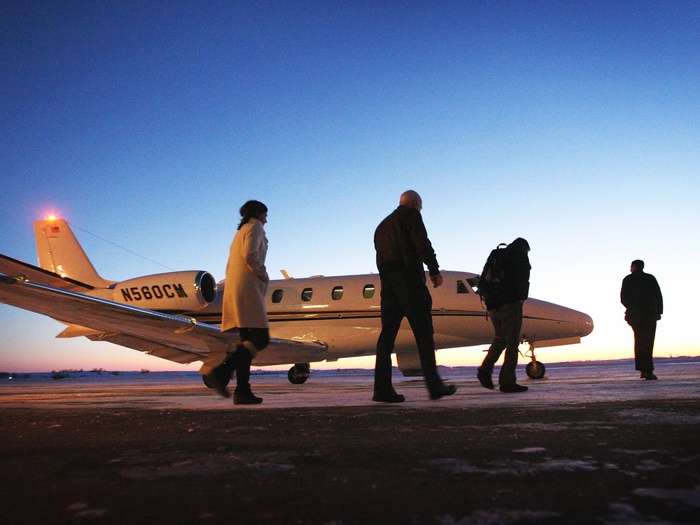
(176, 338)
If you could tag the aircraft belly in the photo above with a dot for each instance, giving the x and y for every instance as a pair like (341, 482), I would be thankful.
(462, 329)
(343, 337)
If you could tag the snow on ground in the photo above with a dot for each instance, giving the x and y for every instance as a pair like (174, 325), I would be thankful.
(565, 385)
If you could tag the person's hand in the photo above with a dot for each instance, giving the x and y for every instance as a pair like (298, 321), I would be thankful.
(436, 280)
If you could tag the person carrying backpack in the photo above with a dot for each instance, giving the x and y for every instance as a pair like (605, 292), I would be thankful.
(504, 286)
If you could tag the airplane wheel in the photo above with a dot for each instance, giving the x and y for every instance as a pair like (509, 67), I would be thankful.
(535, 370)
(205, 379)
(298, 374)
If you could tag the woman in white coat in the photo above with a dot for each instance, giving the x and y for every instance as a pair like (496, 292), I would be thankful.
(244, 303)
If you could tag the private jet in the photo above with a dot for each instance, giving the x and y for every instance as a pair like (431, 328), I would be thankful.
(177, 315)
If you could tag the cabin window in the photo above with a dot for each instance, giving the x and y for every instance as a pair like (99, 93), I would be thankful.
(307, 294)
(461, 287)
(277, 296)
(368, 291)
(337, 293)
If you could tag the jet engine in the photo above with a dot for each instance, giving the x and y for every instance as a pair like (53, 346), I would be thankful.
(174, 292)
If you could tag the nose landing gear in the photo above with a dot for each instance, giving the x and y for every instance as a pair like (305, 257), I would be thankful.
(534, 369)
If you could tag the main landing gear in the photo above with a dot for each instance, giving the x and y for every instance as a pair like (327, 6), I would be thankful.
(205, 379)
(534, 369)
(299, 373)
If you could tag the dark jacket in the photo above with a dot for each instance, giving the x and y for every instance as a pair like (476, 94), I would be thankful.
(402, 244)
(641, 296)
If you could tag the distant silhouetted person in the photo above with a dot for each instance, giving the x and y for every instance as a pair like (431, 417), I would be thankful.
(244, 303)
(403, 247)
(504, 297)
(641, 296)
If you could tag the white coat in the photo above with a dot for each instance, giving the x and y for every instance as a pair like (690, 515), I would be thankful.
(246, 279)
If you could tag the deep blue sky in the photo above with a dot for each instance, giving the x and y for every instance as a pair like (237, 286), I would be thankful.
(147, 124)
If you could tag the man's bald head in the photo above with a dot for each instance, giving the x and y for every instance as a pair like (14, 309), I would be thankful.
(411, 199)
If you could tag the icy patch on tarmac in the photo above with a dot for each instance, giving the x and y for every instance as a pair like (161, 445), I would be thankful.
(500, 517)
(511, 467)
(530, 450)
(635, 416)
(689, 498)
(165, 465)
(683, 505)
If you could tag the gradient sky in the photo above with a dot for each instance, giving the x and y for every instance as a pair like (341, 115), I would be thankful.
(147, 124)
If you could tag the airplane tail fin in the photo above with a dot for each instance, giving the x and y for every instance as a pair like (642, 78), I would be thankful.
(60, 252)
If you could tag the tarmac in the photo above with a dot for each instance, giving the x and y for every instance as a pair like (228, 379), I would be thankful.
(591, 443)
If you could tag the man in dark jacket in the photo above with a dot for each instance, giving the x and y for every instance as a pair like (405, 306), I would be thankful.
(403, 247)
(641, 296)
(505, 307)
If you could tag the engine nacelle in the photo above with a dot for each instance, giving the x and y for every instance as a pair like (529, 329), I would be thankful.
(175, 292)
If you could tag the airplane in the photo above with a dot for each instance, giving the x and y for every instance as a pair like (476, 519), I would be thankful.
(177, 315)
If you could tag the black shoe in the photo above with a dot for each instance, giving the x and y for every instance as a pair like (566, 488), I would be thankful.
(650, 376)
(444, 390)
(388, 397)
(513, 388)
(643, 375)
(245, 398)
(485, 380)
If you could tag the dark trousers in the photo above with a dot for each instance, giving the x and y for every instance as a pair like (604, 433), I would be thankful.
(408, 297)
(644, 335)
(507, 322)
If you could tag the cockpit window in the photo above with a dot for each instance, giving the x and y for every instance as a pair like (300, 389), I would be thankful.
(307, 294)
(474, 283)
(461, 287)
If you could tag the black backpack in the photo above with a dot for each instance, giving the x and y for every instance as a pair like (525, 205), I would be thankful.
(496, 272)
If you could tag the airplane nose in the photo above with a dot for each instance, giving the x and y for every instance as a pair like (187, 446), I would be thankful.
(585, 323)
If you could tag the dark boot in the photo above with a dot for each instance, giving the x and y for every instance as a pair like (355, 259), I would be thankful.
(484, 378)
(442, 391)
(220, 377)
(243, 395)
(388, 396)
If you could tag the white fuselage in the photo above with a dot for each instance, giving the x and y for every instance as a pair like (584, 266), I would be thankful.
(343, 313)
